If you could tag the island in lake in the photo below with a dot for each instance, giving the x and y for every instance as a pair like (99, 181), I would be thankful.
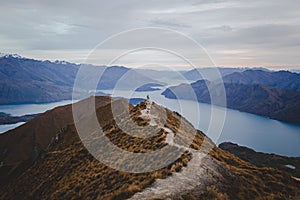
(149, 87)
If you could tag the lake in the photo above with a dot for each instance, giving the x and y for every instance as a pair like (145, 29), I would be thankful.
(7, 127)
(25, 109)
(259, 133)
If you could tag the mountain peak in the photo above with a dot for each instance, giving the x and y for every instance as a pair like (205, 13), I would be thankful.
(62, 62)
(4, 55)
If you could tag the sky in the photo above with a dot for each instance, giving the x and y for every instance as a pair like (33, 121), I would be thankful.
(236, 33)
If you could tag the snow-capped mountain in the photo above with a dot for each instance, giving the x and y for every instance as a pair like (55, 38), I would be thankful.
(5, 55)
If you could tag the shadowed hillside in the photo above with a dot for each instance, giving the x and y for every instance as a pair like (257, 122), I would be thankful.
(24, 80)
(263, 100)
(290, 165)
(284, 80)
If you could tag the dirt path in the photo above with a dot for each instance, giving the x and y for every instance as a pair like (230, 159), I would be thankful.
(146, 115)
(200, 172)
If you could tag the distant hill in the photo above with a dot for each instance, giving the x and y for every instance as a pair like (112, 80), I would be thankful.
(290, 165)
(123, 78)
(161, 75)
(279, 79)
(295, 70)
(8, 119)
(45, 159)
(24, 80)
(196, 74)
(263, 100)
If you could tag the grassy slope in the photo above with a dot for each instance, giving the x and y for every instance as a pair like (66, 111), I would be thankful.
(66, 170)
(264, 159)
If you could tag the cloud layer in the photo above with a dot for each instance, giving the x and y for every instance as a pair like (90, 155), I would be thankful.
(235, 33)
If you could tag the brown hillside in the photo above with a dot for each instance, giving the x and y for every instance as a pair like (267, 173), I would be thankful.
(45, 159)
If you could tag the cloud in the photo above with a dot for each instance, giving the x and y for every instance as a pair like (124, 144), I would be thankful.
(223, 28)
(55, 28)
(168, 23)
(259, 32)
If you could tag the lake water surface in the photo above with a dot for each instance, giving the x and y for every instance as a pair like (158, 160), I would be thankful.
(25, 109)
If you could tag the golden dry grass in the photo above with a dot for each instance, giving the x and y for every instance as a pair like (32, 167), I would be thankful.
(68, 171)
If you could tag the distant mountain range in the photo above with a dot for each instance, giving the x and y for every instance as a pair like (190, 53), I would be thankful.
(279, 79)
(274, 94)
(258, 99)
(24, 80)
(211, 73)
(117, 77)
(161, 74)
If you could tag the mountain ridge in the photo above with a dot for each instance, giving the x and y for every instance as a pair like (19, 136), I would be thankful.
(263, 100)
(24, 80)
(61, 167)
(285, 80)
